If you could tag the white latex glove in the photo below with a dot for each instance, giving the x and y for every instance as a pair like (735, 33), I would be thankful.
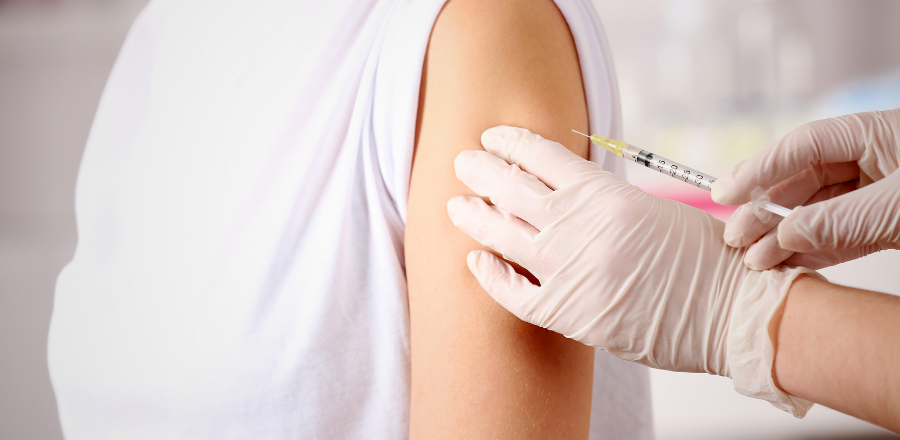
(820, 166)
(646, 279)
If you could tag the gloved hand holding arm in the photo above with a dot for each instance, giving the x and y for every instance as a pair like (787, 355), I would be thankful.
(646, 279)
(842, 170)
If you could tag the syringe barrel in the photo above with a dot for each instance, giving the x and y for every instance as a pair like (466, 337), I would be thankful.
(668, 167)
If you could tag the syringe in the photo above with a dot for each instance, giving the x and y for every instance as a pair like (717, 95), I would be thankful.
(674, 169)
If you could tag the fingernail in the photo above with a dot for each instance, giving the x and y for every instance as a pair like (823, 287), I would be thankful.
(778, 234)
(462, 163)
(454, 207)
(732, 235)
(750, 262)
(791, 239)
(720, 189)
(494, 139)
(473, 260)
(731, 238)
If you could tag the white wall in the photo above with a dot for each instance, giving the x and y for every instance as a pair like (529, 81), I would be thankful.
(54, 60)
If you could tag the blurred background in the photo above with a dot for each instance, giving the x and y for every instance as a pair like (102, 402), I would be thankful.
(704, 82)
(710, 82)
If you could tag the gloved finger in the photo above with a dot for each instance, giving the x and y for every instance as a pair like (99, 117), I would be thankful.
(833, 173)
(766, 253)
(819, 260)
(840, 139)
(866, 216)
(502, 282)
(514, 190)
(549, 161)
(744, 227)
(498, 230)
(832, 191)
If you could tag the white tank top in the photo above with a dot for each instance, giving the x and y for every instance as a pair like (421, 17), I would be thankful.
(241, 206)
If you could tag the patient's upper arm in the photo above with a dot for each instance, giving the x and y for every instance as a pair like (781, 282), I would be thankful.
(477, 371)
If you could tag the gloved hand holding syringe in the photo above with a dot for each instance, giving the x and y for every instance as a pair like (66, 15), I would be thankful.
(667, 285)
(763, 207)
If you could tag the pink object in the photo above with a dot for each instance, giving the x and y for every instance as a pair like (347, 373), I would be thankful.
(691, 196)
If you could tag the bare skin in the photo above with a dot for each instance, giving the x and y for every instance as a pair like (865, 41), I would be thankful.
(477, 370)
(840, 347)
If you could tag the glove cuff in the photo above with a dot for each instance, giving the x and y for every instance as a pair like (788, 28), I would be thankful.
(750, 352)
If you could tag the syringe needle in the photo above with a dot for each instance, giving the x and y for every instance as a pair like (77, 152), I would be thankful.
(581, 134)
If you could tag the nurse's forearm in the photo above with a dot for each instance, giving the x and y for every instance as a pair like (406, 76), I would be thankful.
(840, 347)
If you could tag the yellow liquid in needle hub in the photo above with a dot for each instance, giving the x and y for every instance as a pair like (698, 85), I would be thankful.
(605, 142)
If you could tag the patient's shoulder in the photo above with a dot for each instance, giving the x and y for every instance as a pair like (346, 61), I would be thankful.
(494, 62)
(493, 22)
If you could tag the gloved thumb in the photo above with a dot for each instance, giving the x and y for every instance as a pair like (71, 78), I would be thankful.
(869, 215)
(501, 281)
